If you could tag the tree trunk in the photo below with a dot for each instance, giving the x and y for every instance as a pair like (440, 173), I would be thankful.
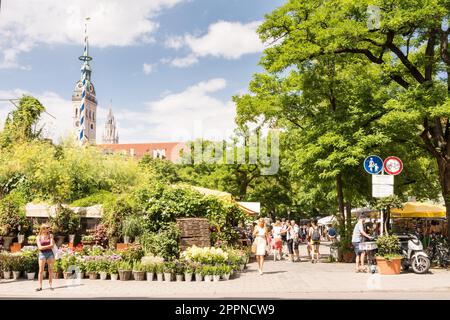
(348, 208)
(444, 178)
(340, 198)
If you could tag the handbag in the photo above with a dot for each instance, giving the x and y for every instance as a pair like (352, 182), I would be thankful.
(254, 247)
(55, 251)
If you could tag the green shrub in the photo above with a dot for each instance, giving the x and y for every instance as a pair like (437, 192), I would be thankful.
(388, 246)
(12, 214)
(98, 198)
(65, 221)
(164, 243)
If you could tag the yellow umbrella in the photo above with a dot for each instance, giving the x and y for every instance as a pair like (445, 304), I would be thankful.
(419, 210)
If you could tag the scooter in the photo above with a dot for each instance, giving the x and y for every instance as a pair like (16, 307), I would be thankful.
(413, 254)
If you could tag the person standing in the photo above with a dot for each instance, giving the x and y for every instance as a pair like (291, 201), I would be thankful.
(308, 239)
(45, 245)
(357, 237)
(284, 228)
(277, 242)
(261, 235)
(314, 236)
(296, 242)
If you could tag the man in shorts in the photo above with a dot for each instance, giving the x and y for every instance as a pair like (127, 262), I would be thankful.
(357, 237)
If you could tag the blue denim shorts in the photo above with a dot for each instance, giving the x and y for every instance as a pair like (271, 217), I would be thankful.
(46, 255)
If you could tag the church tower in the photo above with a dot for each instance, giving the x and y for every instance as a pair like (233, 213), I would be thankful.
(111, 134)
(84, 101)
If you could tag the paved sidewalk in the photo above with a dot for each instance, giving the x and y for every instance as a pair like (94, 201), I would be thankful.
(281, 279)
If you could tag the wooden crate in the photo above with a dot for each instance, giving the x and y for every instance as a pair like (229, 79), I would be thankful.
(194, 231)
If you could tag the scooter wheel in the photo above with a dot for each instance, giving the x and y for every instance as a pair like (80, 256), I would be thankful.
(420, 265)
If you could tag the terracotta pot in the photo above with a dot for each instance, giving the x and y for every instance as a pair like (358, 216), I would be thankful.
(389, 267)
(348, 257)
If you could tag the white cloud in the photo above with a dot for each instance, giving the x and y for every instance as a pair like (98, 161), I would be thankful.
(148, 68)
(27, 23)
(229, 40)
(184, 62)
(192, 113)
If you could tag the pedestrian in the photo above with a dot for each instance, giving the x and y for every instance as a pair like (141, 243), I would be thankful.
(314, 236)
(277, 242)
(331, 234)
(261, 236)
(308, 239)
(45, 245)
(296, 242)
(357, 237)
(284, 228)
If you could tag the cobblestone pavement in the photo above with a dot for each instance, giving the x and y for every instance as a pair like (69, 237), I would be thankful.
(281, 279)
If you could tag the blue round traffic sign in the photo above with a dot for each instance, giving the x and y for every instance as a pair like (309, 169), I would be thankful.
(373, 164)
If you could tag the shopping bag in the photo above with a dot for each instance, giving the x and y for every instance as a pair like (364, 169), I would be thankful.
(254, 247)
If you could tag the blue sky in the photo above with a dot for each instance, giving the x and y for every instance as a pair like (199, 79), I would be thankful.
(169, 66)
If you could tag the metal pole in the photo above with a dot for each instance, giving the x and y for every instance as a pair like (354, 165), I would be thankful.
(382, 222)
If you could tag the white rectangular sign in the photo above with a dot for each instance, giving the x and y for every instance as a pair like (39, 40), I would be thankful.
(382, 186)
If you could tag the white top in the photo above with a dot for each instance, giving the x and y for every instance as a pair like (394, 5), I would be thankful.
(260, 231)
(277, 231)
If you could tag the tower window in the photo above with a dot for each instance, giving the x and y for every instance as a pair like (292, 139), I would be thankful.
(76, 112)
(92, 126)
(93, 116)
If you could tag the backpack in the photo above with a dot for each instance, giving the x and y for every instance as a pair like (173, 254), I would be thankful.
(315, 235)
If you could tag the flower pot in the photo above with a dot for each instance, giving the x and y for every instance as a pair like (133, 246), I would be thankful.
(226, 276)
(167, 276)
(179, 277)
(103, 275)
(188, 277)
(159, 277)
(139, 275)
(389, 267)
(241, 267)
(348, 257)
(31, 275)
(92, 275)
(68, 275)
(216, 278)
(71, 238)
(80, 275)
(208, 278)
(7, 242)
(114, 277)
(55, 275)
(198, 277)
(7, 274)
(124, 275)
(16, 275)
(59, 240)
(20, 238)
(126, 239)
(150, 276)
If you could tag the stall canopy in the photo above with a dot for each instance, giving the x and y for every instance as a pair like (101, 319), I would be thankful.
(419, 210)
(326, 220)
(251, 208)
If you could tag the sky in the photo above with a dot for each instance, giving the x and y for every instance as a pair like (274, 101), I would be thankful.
(169, 68)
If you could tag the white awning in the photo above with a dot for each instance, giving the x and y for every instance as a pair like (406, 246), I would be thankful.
(43, 210)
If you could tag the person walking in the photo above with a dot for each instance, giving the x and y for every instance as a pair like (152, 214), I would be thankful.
(314, 236)
(284, 228)
(357, 237)
(45, 245)
(277, 242)
(261, 235)
(308, 239)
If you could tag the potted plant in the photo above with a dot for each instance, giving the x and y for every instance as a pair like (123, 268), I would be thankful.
(5, 264)
(103, 268)
(388, 257)
(125, 269)
(114, 270)
(65, 221)
(217, 273)
(68, 262)
(81, 267)
(149, 269)
(12, 213)
(188, 272)
(17, 262)
(207, 273)
(138, 271)
(198, 273)
(87, 240)
(31, 240)
(159, 269)
(226, 272)
(169, 269)
(131, 228)
(92, 267)
(57, 269)
(179, 271)
(30, 262)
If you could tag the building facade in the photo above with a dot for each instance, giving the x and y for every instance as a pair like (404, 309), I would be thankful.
(171, 151)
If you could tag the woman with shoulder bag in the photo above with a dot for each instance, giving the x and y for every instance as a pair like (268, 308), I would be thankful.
(261, 236)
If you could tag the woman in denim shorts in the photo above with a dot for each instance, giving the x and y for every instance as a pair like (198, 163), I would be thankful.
(45, 245)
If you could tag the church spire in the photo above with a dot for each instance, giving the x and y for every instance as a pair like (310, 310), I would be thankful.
(110, 134)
